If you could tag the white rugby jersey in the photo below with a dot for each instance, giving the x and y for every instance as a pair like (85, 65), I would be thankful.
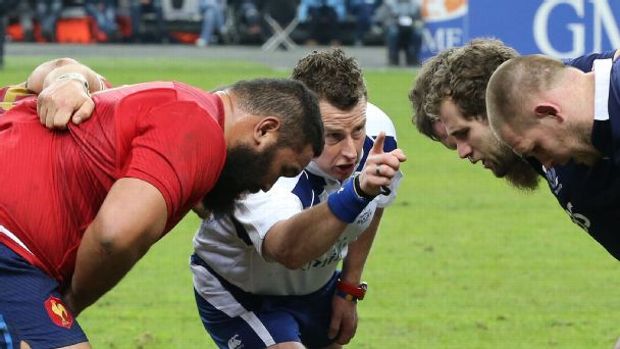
(231, 245)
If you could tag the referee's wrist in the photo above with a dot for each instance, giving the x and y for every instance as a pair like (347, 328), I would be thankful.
(351, 292)
(358, 189)
(346, 204)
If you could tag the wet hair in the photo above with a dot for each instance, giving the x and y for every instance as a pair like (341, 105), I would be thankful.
(290, 101)
(333, 76)
(421, 95)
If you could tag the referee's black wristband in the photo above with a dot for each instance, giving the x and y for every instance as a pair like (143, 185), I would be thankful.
(359, 191)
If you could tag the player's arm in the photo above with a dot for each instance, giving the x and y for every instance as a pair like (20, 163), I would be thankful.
(64, 86)
(131, 218)
(308, 234)
(344, 312)
(46, 73)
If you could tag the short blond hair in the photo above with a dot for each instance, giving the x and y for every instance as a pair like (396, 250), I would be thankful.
(514, 82)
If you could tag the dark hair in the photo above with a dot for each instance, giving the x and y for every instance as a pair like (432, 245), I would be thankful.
(333, 76)
(421, 95)
(468, 71)
(293, 103)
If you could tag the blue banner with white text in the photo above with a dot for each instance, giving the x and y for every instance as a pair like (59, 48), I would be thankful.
(559, 28)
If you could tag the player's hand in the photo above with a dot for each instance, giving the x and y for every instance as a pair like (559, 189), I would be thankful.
(72, 303)
(380, 167)
(344, 320)
(63, 101)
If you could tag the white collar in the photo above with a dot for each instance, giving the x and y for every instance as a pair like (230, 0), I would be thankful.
(315, 169)
(602, 78)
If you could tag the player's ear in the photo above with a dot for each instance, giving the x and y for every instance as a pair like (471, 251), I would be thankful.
(267, 129)
(546, 110)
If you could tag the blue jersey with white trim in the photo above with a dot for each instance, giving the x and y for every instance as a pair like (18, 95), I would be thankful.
(591, 195)
(232, 245)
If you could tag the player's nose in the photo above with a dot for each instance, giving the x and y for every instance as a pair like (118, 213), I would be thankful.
(464, 150)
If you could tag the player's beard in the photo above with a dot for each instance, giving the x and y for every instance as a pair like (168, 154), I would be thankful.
(517, 171)
(243, 171)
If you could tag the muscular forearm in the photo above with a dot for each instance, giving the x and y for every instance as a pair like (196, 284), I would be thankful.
(358, 251)
(296, 241)
(48, 72)
(132, 217)
(99, 266)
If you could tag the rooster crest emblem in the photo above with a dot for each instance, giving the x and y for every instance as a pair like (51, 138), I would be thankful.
(58, 312)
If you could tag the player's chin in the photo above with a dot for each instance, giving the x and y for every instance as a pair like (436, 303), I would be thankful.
(342, 172)
(498, 171)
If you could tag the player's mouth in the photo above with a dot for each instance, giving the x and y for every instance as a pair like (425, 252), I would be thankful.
(345, 170)
(488, 164)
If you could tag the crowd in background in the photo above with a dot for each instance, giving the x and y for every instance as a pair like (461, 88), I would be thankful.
(395, 23)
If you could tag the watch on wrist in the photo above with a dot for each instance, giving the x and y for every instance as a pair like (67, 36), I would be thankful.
(351, 292)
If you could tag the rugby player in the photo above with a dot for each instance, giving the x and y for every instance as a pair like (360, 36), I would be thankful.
(79, 207)
(455, 95)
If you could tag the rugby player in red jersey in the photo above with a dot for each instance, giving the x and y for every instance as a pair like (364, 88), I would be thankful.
(79, 207)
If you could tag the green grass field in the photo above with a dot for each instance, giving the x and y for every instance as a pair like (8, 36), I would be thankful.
(461, 259)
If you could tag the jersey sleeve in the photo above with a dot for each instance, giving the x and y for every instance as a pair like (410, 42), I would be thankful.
(178, 148)
(10, 95)
(261, 211)
(584, 63)
(376, 122)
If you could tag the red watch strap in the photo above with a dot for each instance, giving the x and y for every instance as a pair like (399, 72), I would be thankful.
(357, 291)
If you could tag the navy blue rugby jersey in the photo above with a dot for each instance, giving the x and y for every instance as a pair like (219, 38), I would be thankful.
(591, 195)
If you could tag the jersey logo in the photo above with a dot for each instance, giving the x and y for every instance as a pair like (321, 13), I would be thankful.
(235, 343)
(552, 178)
(58, 312)
(578, 218)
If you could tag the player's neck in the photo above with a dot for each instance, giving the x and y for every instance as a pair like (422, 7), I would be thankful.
(229, 110)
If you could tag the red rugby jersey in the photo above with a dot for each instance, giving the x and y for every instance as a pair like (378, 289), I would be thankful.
(53, 182)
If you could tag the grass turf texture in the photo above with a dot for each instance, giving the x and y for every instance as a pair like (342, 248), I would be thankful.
(461, 259)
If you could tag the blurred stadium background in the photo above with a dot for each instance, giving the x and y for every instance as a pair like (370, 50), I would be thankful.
(461, 259)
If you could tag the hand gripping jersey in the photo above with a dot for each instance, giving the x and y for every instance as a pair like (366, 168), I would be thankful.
(231, 245)
(53, 182)
(591, 195)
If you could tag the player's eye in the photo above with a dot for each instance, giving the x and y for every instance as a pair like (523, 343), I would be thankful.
(461, 134)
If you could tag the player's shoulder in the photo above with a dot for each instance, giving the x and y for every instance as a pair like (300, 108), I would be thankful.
(584, 63)
(306, 187)
(10, 95)
(378, 121)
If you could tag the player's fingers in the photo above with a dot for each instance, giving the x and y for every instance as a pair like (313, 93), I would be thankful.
(334, 325)
(385, 171)
(347, 331)
(48, 115)
(399, 154)
(377, 148)
(84, 112)
(61, 117)
(393, 159)
(41, 111)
